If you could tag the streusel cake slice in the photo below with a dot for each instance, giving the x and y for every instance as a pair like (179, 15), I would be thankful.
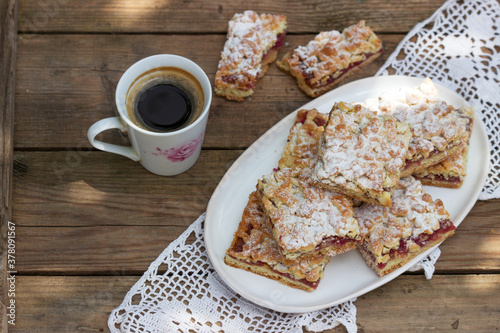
(301, 149)
(252, 44)
(361, 154)
(448, 173)
(440, 130)
(255, 250)
(307, 220)
(254, 247)
(330, 57)
(394, 235)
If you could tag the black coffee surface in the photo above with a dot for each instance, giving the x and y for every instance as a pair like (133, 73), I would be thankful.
(164, 107)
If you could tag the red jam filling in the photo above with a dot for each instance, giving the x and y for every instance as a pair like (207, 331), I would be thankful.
(312, 284)
(334, 241)
(233, 78)
(319, 122)
(440, 178)
(302, 116)
(279, 40)
(421, 240)
(308, 76)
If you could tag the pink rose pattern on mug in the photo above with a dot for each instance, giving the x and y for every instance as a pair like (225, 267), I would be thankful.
(180, 153)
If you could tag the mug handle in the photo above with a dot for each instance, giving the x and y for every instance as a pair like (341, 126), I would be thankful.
(106, 124)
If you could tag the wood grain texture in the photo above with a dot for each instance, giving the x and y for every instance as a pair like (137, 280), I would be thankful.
(89, 223)
(88, 250)
(80, 188)
(8, 31)
(79, 214)
(66, 83)
(129, 16)
(449, 303)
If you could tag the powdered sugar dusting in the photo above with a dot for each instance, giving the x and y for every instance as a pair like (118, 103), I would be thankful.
(435, 124)
(413, 213)
(249, 37)
(362, 150)
(332, 51)
(303, 215)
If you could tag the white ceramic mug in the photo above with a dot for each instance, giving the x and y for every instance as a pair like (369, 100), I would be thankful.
(166, 153)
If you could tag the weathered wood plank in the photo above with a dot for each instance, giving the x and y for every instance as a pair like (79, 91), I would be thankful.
(66, 83)
(80, 188)
(110, 250)
(8, 44)
(129, 16)
(467, 303)
(129, 249)
(69, 204)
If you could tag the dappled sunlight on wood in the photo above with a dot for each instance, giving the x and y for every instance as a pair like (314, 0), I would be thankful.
(135, 12)
(88, 224)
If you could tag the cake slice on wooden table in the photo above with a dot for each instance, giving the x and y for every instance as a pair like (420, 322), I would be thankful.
(394, 235)
(306, 220)
(330, 57)
(361, 154)
(252, 44)
(440, 130)
(254, 249)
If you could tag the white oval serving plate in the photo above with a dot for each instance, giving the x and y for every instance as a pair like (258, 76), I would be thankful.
(347, 275)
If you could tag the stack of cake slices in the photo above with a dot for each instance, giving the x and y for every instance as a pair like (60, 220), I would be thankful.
(351, 179)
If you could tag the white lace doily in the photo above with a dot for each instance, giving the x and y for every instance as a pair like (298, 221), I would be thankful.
(459, 46)
(181, 292)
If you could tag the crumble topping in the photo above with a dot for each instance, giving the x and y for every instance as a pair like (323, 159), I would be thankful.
(303, 215)
(436, 125)
(253, 242)
(413, 213)
(249, 37)
(332, 51)
(360, 150)
(301, 150)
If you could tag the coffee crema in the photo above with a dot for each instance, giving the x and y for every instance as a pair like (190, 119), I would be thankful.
(165, 99)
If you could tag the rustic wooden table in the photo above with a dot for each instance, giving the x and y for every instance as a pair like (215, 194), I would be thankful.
(88, 223)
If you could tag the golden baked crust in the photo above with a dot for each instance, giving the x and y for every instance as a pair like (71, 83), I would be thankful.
(330, 57)
(452, 171)
(251, 45)
(448, 173)
(307, 220)
(301, 149)
(394, 235)
(439, 130)
(254, 249)
(361, 154)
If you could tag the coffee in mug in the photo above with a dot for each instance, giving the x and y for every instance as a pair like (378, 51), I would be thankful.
(165, 99)
(163, 103)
